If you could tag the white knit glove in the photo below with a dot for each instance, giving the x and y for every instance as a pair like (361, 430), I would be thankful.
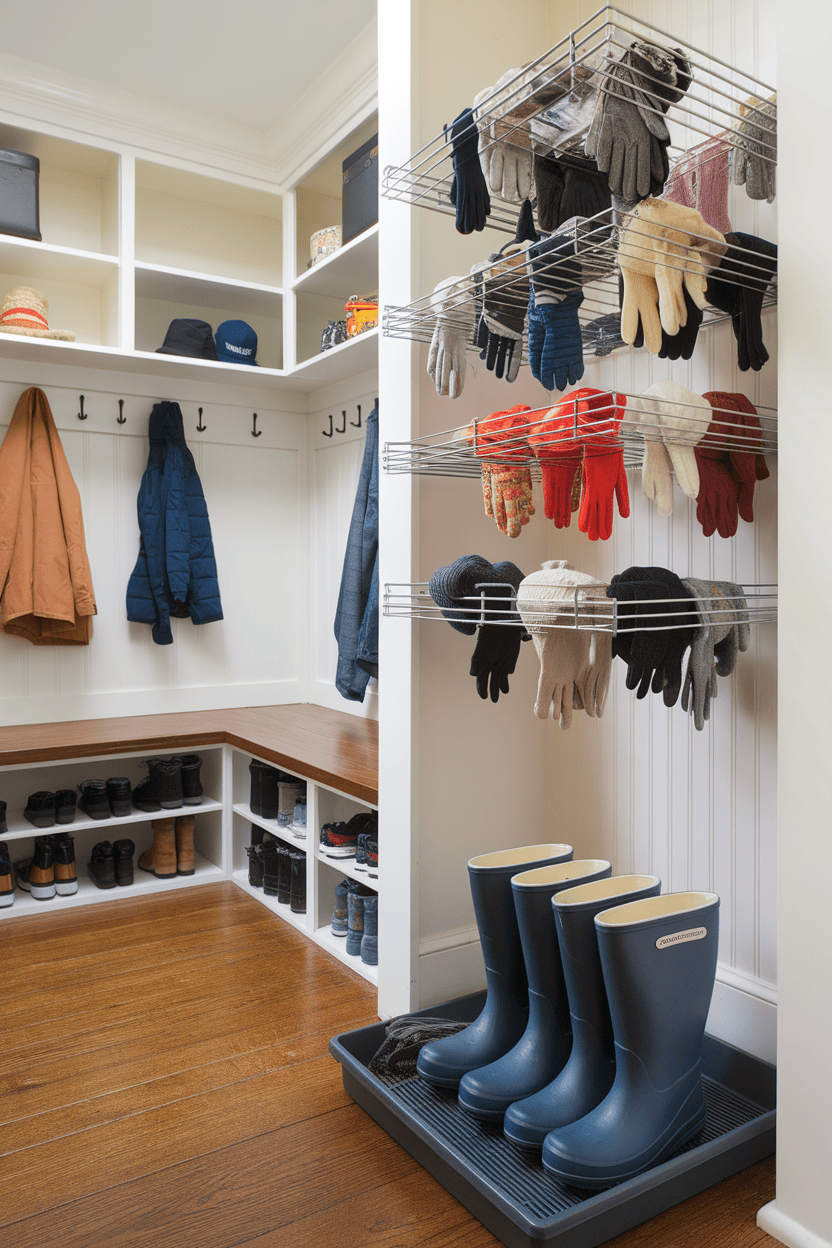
(447, 357)
(683, 418)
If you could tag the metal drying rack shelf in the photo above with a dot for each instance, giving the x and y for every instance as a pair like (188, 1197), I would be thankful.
(462, 452)
(591, 266)
(577, 611)
(515, 112)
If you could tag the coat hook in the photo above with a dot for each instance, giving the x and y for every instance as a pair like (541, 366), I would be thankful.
(356, 424)
(82, 415)
(254, 430)
(200, 427)
(376, 405)
(324, 432)
(343, 428)
(121, 419)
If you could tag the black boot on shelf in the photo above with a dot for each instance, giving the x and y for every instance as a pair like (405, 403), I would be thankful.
(256, 859)
(94, 801)
(120, 796)
(63, 854)
(3, 824)
(191, 785)
(338, 922)
(297, 887)
(102, 865)
(36, 875)
(264, 799)
(40, 809)
(65, 805)
(271, 866)
(284, 874)
(6, 876)
(161, 789)
(123, 852)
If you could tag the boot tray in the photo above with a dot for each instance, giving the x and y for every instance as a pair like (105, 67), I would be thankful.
(511, 1194)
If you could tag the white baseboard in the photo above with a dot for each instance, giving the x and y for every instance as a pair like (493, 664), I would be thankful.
(323, 693)
(55, 708)
(780, 1226)
(745, 1020)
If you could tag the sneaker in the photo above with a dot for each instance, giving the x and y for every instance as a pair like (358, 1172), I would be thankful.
(372, 859)
(337, 841)
(63, 855)
(94, 801)
(123, 852)
(65, 804)
(40, 809)
(369, 941)
(298, 825)
(120, 796)
(6, 876)
(102, 865)
(191, 785)
(36, 875)
(162, 787)
(338, 922)
(361, 852)
(355, 922)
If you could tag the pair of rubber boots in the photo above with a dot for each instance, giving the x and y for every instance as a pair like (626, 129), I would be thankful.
(569, 946)
(172, 851)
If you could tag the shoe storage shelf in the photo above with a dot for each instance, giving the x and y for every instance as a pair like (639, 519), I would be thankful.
(19, 782)
(324, 804)
(130, 244)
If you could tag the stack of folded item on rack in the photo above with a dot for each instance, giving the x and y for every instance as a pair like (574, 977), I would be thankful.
(648, 617)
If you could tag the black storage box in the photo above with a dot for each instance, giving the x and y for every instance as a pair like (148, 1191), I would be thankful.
(511, 1193)
(19, 194)
(359, 193)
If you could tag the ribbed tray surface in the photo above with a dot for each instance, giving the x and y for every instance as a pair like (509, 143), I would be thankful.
(523, 1180)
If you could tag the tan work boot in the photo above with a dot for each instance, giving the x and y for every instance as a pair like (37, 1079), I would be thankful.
(185, 859)
(160, 859)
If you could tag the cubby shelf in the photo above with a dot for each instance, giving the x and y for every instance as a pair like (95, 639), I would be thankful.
(336, 945)
(350, 357)
(346, 866)
(20, 827)
(60, 264)
(353, 269)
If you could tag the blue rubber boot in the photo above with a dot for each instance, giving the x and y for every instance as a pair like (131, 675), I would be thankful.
(506, 1011)
(542, 1050)
(659, 963)
(587, 1076)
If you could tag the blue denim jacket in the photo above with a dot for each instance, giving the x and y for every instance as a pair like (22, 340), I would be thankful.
(356, 619)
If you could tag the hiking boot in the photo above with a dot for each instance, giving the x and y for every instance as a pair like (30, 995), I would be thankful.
(65, 804)
(264, 798)
(369, 941)
(338, 923)
(40, 809)
(6, 876)
(185, 857)
(123, 852)
(94, 801)
(102, 865)
(37, 874)
(191, 786)
(162, 787)
(337, 841)
(271, 866)
(120, 796)
(63, 855)
(355, 922)
(297, 887)
(256, 856)
(160, 859)
(284, 874)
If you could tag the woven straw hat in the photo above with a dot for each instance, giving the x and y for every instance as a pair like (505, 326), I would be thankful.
(25, 311)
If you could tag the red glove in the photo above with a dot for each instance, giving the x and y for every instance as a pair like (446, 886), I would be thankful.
(717, 501)
(599, 416)
(737, 425)
(560, 455)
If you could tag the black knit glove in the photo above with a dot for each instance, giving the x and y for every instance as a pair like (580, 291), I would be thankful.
(737, 286)
(469, 193)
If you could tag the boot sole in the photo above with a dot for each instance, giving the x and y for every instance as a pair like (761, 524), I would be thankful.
(167, 876)
(121, 808)
(70, 818)
(39, 821)
(149, 808)
(191, 872)
(337, 853)
(171, 805)
(67, 888)
(99, 813)
(42, 892)
(192, 801)
(7, 899)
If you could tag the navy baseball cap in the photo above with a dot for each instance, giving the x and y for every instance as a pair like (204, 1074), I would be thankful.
(236, 343)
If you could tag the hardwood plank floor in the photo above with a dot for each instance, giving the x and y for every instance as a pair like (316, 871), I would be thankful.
(164, 1081)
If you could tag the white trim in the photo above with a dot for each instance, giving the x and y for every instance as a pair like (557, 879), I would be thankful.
(120, 703)
(779, 1225)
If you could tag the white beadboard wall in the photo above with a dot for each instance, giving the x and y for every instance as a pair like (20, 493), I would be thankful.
(641, 787)
(257, 497)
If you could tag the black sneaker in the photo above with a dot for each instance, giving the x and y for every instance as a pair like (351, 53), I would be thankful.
(63, 854)
(123, 852)
(94, 801)
(191, 786)
(361, 852)
(337, 841)
(120, 795)
(40, 809)
(162, 787)
(372, 858)
(102, 865)
(65, 802)
(6, 876)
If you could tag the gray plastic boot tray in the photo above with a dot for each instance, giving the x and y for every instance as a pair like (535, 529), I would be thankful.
(511, 1194)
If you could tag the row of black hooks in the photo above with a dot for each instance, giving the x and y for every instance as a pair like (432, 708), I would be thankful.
(356, 424)
(121, 419)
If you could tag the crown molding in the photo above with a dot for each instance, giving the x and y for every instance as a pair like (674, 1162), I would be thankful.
(326, 111)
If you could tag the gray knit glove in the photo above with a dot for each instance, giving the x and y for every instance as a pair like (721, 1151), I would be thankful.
(724, 633)
(754, 159)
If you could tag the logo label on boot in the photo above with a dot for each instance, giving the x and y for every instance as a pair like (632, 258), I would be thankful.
(679, 938)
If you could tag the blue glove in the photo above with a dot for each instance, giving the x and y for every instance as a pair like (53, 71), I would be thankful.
(554, 270)
(555, 345)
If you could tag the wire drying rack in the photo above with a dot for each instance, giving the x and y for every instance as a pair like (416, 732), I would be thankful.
(588, 259)
(517, 111)
(620, 420)
(579, 610)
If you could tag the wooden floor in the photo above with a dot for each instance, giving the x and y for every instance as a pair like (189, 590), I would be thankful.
(165, 1082)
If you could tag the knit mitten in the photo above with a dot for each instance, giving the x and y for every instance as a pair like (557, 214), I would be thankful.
(723, 632)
